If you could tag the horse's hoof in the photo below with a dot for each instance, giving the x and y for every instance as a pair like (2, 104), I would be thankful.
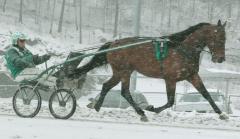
(223, 116)
(97, 108)
(90, 105)
(144, 118)
(150, 108)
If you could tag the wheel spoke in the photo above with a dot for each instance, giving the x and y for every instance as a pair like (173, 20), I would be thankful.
(32, 95)
(67, 97)
(58, 97)
(61, 96)
(24, 93)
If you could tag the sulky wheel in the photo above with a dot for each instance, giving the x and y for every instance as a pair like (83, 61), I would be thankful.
(27, 102)
(62, 104)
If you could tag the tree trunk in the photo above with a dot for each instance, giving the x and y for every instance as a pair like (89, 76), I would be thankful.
(40, 16)
(104, 15)
(61, 17)
(137, 17)
(169, 15)
(115, 31)
(75, 12)
(21, 11)
(179, 14)
(137, 20)
(162, 14)
(193, 8)
(210, 10)
(52, 16)
(229, 14)
(36, 11)
(4, 5)
(238, 14)
(48, 13)
(80, 21)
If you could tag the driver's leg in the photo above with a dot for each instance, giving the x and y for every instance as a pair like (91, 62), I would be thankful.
(28, 74)
(31, 73)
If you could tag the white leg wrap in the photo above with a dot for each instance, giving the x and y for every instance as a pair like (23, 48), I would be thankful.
(223, 116)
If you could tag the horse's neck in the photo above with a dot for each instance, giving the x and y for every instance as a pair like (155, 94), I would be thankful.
(195, 41)
(193, 46)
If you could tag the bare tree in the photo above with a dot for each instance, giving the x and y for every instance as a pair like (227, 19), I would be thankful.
(36, 11)
(210, 10)
(137, 20)
(61, 16)
(193, 8)
(169, 14)
(4, 5)
(104, 15)
(75, 13)
(80, 21)
(48, 13)
(137, 17)
(21, 11)
(179, 13)
(162, 14)
(115, 30)
(40, 15)
(229, 13)
(52, 16)
(238, 13)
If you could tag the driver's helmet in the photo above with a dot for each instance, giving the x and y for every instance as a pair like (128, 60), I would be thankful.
(17, 36)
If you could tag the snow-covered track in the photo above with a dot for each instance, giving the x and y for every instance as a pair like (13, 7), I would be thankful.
(118, 116)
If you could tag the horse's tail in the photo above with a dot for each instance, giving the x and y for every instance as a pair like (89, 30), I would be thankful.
(96, 61)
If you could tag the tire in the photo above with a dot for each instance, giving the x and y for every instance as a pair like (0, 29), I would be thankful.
(55, 101)
(35, 98)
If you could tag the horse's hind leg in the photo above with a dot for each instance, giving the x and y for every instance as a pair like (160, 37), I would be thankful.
(170, 87)
(125, 79)
(106, 87)
(196, 81)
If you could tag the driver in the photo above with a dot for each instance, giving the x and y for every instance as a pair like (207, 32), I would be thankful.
(20, 61)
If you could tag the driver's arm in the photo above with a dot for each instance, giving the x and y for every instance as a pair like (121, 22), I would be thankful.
(40, 59)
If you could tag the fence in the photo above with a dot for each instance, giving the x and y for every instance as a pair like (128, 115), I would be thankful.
(153, 90)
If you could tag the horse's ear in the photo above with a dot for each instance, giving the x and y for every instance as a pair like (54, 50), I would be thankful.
(219, 22)
(225, 23)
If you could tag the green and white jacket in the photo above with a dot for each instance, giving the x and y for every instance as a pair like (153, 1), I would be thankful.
(17, 59)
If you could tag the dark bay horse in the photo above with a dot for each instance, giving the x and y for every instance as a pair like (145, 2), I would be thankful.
(182, 63)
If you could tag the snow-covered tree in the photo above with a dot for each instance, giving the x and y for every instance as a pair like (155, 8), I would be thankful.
(61, 16)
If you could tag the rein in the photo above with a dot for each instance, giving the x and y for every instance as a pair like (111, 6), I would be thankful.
(189, 53)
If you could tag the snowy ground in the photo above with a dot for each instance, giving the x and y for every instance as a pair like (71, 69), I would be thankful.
(167, 118)
(18, 128)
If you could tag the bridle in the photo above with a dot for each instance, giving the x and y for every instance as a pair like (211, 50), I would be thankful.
(197, 48)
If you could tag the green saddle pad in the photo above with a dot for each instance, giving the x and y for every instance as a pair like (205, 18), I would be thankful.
(161, 48)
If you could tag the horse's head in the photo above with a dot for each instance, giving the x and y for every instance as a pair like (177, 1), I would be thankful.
(215, 41)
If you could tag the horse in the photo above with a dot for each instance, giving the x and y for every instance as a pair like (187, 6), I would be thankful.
(181, 63)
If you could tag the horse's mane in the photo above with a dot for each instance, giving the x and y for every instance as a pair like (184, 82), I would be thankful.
(181, 36)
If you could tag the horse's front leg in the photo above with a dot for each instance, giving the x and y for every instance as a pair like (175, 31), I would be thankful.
(105, 88)
(170, 87)
(125, 92)
(196, 81)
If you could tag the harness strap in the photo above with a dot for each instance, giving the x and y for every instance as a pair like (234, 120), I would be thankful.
(161, 52)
